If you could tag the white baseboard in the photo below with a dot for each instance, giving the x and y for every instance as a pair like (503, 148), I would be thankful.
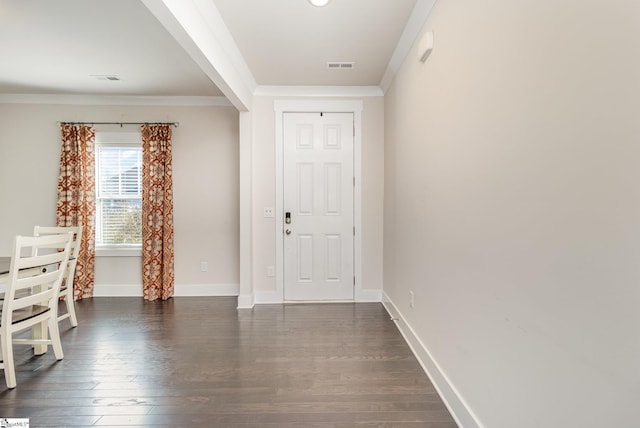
(245, 301)
(457, 406)
(180, 290)
(267, 297)
(210, 290)
(367, 295)
(119, 290)
(273, 297)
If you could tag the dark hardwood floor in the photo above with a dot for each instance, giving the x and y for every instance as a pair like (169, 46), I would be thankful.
(199, 362)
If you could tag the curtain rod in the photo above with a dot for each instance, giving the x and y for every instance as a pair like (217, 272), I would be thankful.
(175, 124)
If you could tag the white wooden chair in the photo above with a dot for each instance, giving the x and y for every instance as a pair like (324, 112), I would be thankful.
(24, 310)
(66, 289)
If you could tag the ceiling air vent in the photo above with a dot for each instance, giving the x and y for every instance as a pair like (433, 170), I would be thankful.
(340, 65)
(105, 77)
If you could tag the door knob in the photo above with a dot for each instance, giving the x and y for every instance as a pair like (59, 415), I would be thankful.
(288, 232)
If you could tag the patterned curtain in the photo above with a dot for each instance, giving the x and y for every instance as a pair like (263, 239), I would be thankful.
(157, 213)
(76, 199)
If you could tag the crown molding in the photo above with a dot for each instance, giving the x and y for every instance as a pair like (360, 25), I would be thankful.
(318, 91)
(418, 17)
(124, 100)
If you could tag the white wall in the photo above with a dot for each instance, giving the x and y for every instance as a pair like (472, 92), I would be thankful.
(205, 161)
(512, 208)
(264, 192)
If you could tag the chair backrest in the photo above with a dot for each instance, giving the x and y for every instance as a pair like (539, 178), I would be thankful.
(26, 272)
(75, 244)
(56, 230)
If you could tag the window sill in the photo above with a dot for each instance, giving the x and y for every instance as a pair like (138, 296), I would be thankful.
(118, 252)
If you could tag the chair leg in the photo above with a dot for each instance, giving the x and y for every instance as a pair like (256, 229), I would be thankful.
(54, 335)
(6, 343)
(71, 306)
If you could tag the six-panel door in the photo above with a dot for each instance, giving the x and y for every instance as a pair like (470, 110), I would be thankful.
(318, 195)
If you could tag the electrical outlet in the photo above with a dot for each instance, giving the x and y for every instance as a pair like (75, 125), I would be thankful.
(411, 299)
(271, 271)
(268, 212)
(204, 266)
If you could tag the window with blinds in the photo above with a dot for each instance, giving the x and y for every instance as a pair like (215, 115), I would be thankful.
(118, 194)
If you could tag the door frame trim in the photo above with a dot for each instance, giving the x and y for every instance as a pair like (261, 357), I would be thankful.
(315, 106)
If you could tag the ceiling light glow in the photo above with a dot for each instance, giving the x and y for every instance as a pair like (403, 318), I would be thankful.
(319, 3)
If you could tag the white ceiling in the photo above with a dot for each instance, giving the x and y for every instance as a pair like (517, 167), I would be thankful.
(54, 47)
(289, 42)
(58, 47)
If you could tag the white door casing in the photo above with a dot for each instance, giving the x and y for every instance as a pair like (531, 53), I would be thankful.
(318, 206)
(281, 107)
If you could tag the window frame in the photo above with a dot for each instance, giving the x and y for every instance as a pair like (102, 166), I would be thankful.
(115, 139)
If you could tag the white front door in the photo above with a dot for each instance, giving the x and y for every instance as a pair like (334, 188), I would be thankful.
(318, 206)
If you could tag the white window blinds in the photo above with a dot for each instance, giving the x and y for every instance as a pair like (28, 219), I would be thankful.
(118, 194)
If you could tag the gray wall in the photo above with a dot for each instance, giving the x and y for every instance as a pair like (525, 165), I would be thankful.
(512, 208)
(206, 205)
